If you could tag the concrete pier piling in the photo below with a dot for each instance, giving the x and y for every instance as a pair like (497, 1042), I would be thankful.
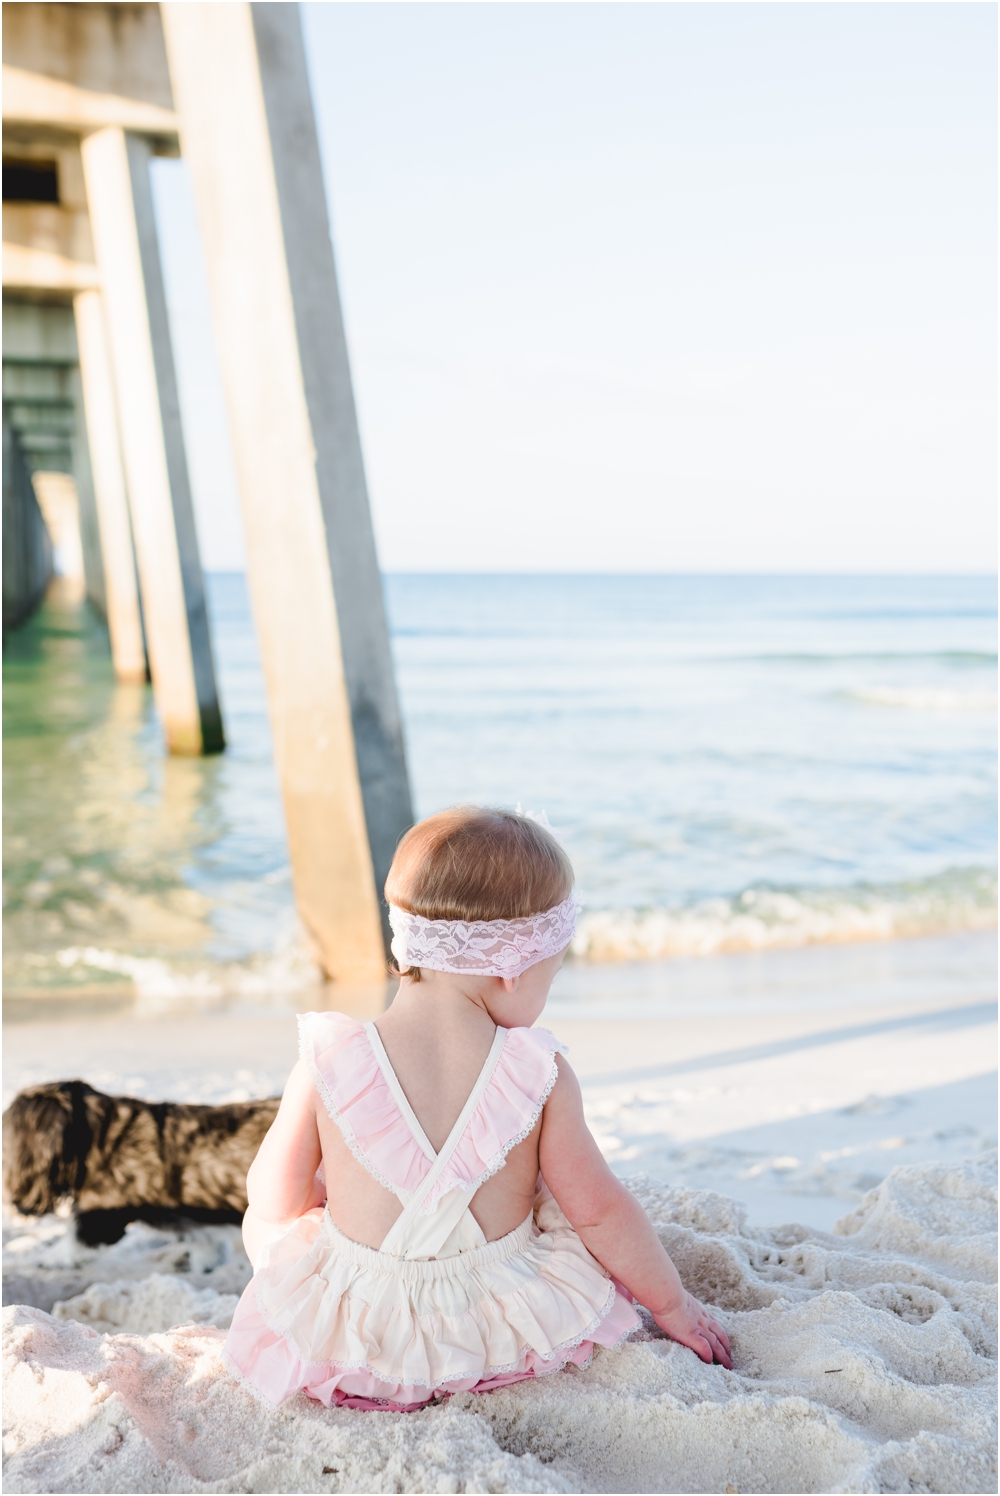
(121, 588)
(89, 84)
(27, 545)
(120, 201)
(91, 93)
(314, 577)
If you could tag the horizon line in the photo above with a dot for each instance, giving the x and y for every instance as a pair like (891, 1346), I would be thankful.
(935, 576)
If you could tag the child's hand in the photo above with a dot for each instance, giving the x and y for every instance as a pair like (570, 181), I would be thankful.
(691, 1324)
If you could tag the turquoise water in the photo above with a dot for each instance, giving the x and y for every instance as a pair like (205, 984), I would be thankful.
(733, 763)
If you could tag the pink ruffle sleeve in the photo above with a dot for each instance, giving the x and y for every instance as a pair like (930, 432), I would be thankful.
(357, 1097)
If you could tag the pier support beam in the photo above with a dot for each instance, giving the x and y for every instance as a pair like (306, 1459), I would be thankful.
(314, 577)
(120, 586)
(120, 204)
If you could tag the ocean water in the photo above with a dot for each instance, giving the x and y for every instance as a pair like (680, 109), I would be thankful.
(733, 763)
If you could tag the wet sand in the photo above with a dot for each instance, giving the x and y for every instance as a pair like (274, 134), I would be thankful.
(792, 1081)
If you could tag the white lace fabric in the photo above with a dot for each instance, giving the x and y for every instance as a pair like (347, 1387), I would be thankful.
(484, 947)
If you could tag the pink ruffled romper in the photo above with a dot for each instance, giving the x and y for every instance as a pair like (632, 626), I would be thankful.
(437, 1308)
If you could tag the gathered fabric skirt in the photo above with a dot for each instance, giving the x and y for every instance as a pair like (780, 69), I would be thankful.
(353, 1326)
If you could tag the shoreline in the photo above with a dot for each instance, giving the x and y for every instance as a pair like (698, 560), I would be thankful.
(954, 955)
(792, 1081)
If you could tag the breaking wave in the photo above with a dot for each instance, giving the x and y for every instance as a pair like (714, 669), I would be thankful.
(287, 972)
(775, 919)
(757, 919)
(926, 699)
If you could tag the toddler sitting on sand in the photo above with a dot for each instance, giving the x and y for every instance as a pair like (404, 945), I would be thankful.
(429, 1212)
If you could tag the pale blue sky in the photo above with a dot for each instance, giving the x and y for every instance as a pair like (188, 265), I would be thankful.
(678, 287)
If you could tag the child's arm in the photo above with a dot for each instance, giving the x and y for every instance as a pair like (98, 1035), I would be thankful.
(613, 1225)
(281, 1181)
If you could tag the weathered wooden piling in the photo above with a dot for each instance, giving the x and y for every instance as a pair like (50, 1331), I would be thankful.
(120, 202)
(76, 78)
(121, 590)
(314, 576)
(90, 84)
(27, 548)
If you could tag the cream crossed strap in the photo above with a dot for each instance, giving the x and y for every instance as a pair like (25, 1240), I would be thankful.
(411, 1234)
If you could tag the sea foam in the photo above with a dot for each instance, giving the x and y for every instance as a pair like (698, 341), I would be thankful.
(775, 919)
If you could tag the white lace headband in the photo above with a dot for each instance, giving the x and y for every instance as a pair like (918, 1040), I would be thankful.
(482, 947)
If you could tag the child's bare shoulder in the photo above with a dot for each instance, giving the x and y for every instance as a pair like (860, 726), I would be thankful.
(564, 1103)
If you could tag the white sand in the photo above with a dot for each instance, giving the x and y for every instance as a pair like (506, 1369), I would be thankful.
(44, 1263)
(865, 1361)
(793, 1082)
(796, 1114)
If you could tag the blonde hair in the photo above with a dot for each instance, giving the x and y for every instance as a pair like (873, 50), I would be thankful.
(473, 862)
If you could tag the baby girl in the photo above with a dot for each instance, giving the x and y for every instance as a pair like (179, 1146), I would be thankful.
(429, 1212)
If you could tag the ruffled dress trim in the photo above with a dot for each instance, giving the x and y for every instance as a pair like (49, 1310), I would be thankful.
(366, 1328)
(357, 1096)
(350, 1325)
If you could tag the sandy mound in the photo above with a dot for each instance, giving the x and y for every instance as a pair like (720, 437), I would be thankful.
(155, 1303)
(43, 1262)
(866, 1361)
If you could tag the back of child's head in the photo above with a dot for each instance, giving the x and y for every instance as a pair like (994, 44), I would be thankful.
(473, 863)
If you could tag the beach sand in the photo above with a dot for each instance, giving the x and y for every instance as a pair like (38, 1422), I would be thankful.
(794, 1082)
(865, 1361)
